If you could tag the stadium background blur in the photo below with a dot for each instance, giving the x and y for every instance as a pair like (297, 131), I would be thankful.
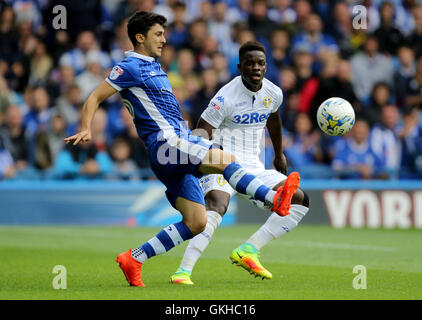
(313, 53)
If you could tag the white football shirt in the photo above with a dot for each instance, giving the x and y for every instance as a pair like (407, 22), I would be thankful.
(240, 116)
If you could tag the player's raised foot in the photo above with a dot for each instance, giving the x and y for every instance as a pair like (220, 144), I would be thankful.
(283, 197)
(181, 276)
(246, 256)
(132, 268)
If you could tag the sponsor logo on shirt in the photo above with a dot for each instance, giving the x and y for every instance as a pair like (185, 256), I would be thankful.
(215, 106)
(204, 180)
(240, 104)
(115, 72)
(249, 118)
(221, 99)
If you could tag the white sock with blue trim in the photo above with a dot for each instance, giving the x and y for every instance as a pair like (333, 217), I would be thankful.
(247, 183)
(198, 243)
(165, 240)
(276, 226)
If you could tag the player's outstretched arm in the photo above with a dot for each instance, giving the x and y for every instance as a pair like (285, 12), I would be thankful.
(275, 130)
(102, 92)
(204, 129)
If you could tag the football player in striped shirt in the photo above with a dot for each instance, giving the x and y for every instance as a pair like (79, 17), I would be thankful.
(178, 158)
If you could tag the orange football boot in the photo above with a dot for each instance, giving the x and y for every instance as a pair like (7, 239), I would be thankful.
(283, 197)
(131, 268)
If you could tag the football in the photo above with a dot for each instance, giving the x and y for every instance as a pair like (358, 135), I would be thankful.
(335, 116)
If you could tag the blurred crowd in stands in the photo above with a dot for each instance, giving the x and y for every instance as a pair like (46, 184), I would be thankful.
(313, 52)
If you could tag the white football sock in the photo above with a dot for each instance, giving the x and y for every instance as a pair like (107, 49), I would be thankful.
(276, 226)
(198, 243)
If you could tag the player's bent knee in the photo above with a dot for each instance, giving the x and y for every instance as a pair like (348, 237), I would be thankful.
(194, 215)
(301, 197)
(226, 158)
(217, 201)
(197, 225)
(218, 207)
(216, 161)
(200, 225)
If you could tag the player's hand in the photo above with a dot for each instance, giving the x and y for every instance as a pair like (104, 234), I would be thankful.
(83, 136)
(280, 164)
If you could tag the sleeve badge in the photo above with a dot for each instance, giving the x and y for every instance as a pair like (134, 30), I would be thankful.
(115, 72)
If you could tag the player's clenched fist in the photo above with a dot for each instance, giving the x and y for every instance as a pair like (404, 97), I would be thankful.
(83, 136)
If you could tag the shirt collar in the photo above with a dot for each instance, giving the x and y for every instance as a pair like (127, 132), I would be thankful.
(246, 90)
(132, 53)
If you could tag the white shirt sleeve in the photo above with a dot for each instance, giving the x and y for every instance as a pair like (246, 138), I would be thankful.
(279, 101)
(215, 113)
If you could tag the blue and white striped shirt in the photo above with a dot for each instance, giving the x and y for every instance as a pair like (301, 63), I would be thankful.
(147, 93)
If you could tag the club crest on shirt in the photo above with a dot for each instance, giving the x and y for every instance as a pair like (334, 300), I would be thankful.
(267, 102)
(115, 72)
(221, 181)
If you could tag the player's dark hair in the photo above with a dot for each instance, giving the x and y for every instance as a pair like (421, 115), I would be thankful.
(250, 46)
(141, 22)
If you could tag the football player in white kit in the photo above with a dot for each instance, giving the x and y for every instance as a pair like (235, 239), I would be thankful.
(236, 118)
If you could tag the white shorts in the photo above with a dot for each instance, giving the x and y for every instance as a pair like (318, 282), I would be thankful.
(211, 182)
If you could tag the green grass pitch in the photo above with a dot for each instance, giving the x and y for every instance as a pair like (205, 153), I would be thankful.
(311, 262)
